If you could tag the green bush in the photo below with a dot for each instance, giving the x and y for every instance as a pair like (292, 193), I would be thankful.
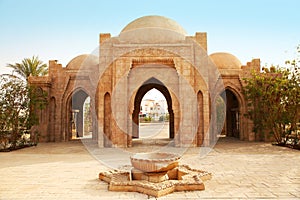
(18, 110)
(148, 119)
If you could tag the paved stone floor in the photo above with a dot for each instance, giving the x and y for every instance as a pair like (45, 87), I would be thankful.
(241, 170)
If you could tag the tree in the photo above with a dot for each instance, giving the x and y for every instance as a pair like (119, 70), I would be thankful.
(294, 89)
(18, 103)
(29, 66)
(274, 100)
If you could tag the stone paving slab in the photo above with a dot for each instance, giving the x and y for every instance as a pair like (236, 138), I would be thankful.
(241, 170)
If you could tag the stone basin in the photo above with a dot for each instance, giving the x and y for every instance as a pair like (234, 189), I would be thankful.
(155, 162)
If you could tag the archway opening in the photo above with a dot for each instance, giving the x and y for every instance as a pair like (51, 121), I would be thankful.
(154, 116)
(230, 103)
(154, 132)
(87, 118)
(80, 116)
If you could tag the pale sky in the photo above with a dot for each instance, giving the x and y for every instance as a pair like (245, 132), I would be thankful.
(154, 94)
(62, 29)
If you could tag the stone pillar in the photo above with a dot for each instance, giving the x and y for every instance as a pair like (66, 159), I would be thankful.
(100, 119)
(188, 102)
(119, 105)
(60, 122)
(52, 117)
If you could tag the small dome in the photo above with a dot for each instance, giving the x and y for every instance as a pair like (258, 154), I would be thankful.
(225, 60)
(85, 59)
(154, 21)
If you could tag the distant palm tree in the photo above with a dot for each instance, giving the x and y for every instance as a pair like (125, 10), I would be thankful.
(33, 67)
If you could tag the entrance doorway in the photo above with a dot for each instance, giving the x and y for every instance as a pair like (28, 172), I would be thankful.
(232, 117)
(154, 116)
(80, 116)
(140, 118)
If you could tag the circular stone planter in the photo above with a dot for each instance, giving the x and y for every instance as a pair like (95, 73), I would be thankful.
(155, 162)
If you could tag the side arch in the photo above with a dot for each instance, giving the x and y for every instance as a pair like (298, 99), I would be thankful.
(234, 113)
(200, 116)
(74, 113)
(107, 121)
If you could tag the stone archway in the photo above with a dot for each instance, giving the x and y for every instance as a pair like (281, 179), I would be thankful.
(232, 118)
(148, 85)
(75, 115)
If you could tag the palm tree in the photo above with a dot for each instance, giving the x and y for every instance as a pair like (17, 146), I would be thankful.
(30, 67)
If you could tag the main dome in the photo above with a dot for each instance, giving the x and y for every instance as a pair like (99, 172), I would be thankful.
(154, 21)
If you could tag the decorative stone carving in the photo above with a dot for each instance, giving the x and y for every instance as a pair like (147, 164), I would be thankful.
(180, 178)
(158, 61)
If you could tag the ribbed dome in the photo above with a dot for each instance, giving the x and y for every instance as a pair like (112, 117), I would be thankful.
(225, 60)
(154, 21)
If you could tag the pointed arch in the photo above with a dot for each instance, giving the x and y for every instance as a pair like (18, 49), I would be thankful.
(233, 112)
(107, 120)
(74, 113)
(146, 86)
(200, 131)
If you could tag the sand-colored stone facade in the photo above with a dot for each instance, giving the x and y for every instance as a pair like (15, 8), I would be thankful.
(150, 52)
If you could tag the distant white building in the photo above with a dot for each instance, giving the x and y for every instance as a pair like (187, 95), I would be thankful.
(153, 108)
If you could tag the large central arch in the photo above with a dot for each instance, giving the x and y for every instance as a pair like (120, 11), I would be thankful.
(148, 85)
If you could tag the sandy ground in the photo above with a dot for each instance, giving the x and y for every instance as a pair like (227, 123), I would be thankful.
(69, 170)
